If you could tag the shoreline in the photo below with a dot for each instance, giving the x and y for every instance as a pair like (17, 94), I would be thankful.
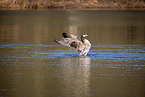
(73, 5)
(139, 9)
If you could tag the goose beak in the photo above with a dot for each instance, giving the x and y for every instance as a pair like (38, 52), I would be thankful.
(86, 34)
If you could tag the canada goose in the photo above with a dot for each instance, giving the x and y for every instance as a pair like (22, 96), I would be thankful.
(81, 44)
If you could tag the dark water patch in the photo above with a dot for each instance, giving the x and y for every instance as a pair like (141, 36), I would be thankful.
(74, 13)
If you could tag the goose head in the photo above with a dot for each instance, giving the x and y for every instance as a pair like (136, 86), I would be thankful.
(84, 35)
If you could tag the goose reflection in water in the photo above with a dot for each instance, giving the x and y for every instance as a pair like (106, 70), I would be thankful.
(76, 76)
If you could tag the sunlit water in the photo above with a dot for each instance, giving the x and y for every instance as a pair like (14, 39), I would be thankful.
(32, 65)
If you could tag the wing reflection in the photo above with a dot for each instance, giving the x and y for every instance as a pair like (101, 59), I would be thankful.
(76, 76)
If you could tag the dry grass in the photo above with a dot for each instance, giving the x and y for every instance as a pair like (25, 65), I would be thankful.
(72, 4)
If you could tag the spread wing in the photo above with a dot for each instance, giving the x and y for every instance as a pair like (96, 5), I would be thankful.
(70, 40)
(67, 35)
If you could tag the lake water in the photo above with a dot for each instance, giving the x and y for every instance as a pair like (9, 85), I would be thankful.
(33, 65)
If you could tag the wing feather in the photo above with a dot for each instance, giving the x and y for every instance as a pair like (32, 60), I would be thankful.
(70, 40)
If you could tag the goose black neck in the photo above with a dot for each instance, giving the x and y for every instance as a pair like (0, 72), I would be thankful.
(82, 38)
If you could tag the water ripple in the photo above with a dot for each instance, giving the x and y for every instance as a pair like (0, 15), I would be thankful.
(97, 52)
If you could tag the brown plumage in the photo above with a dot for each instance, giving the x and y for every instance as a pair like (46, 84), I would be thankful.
(79, 43)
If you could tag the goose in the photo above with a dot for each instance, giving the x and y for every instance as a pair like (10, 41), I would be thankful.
(81, 44)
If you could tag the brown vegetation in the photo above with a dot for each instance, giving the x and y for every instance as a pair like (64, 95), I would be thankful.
(72, 4)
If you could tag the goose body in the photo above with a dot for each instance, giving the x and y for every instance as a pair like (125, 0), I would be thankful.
(81, 44)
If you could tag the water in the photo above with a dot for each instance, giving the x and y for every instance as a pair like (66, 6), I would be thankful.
(32, 65)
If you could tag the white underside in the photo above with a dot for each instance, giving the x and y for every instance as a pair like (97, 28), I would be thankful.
(86, 49)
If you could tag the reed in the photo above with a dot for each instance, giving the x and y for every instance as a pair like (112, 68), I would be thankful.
(72, 4)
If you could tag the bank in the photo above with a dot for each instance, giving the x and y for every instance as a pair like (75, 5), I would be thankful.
(62, 4)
